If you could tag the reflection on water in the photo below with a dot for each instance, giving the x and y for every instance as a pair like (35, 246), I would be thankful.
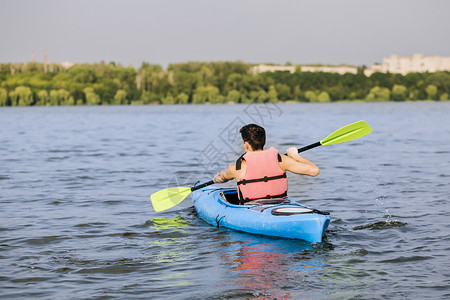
(258, 267)
(164, 223)
(170, 242)
(263, 268)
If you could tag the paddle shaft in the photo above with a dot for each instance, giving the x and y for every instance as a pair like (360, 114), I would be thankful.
(309, 147)
(194, 188)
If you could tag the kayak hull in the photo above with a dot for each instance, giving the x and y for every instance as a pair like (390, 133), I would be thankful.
(213, 207)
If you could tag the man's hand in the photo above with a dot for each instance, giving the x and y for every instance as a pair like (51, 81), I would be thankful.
(292, 152)
(220, 178)
(298, 164)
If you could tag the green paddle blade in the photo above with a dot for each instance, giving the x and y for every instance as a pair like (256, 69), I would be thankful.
(170, 197)
(347, 133)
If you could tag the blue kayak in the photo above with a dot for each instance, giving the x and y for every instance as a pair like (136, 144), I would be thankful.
(274, 217)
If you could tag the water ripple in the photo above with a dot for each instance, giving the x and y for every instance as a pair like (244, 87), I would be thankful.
(77, 222)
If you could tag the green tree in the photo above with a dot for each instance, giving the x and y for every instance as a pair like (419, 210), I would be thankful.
(443, 97)
(169, 99)
(152, 78)
(91, 97)
(370, 97)
(82, 74)
(184, 82)
(65, 97)
(182, 98)
(311, 96)
(298, 95)
(431, 91)
(336, 92)
(54, 98)
(252, 97)
(352, 96)
(213, 95)
(382, 80)
(13, 96)
(399, 92)
(60, 97)
(106, 89)
(3, 97)
(200, 95)
(206, 93)
(126, 78)
(272, 93)
(43, 97)
(120, 98)
(234, 82)
(146, 98)
(234, 96)
(413, 94)
(245, 98)
(206, 74)
(379, 94)
(440, 79)
(262, 97)
(323, 97)
(21, 96)
(283, 91)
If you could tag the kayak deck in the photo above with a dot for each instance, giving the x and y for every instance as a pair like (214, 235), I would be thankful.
(274, 217)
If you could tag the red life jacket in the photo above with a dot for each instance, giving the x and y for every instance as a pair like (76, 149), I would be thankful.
(264, 178)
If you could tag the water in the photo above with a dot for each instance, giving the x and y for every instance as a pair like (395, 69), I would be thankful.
(76, 220)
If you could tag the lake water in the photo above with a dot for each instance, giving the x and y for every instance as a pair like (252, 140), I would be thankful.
(77, 222)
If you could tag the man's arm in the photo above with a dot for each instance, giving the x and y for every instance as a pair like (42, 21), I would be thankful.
(294, 163)
(226, 175)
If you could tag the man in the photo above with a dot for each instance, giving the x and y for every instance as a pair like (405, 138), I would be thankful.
(261, 174)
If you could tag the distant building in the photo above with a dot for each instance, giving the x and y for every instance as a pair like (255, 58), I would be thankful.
(407, 64)
(330, 69)
(66, 64)
(270, 68)
(311, 68)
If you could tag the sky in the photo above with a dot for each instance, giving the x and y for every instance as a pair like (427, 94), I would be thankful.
(129, 32)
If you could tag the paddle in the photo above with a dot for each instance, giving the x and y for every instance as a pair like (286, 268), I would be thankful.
(345, 134)
(170, 197)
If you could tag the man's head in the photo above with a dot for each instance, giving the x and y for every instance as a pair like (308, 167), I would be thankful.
(254, 135)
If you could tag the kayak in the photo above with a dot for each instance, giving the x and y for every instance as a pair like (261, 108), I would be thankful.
(273, 217)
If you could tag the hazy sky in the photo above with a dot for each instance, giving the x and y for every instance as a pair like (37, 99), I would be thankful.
(355, 32)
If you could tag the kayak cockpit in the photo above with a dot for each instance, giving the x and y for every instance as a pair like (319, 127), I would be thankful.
(231, 196)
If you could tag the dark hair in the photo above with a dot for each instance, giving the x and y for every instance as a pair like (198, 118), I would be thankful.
(255, 135)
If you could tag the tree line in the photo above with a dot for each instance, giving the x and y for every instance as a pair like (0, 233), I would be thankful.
(25, 84)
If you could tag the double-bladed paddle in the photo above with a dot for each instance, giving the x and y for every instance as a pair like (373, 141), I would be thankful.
(168, 198)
